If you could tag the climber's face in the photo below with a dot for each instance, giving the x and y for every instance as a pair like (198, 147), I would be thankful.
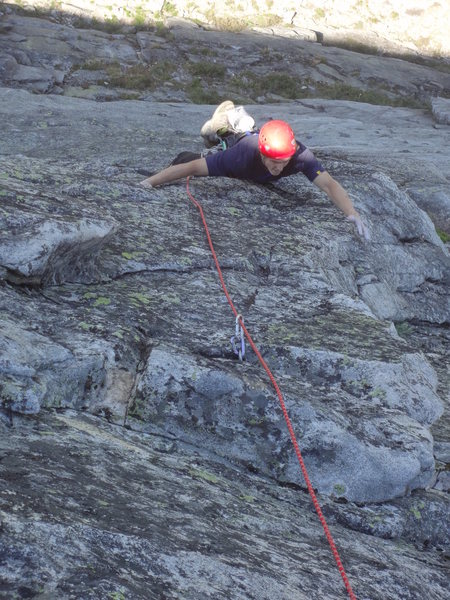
(274, 165)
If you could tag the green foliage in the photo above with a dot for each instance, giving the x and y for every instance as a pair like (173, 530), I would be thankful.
(170, 9)
(139, 77)
(266, 54)
(234, 23)
(129, 96)
(208, 52)
(279, 83)
(226, 23)
(265, 20)
(343, 91)
(112, 24)
(208, 69)
(163, 31)
(357, 46)
(109, 24)
(140, 16)
(203, 51)
(282, 84)
(199, 95)
(93, 65)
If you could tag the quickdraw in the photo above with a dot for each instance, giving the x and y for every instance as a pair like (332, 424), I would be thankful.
(238, 339)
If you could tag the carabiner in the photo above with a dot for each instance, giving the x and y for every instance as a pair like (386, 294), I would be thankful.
(238, 340)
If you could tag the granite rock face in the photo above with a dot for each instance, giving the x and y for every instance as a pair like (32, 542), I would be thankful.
(56, 52)
(441, 110)
(41, 251)
(140, 516)
(139, 457)
(393, 25)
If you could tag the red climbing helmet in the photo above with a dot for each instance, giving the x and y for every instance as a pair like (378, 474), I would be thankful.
(277, 140)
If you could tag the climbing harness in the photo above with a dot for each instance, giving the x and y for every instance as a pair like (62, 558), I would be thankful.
(227, 140)
(238, 339)
(239, 319)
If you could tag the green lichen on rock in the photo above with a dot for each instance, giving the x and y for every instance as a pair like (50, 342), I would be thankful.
(339, 489)
(140, 298)
(416, 510)
(102, 301)
(209, 477)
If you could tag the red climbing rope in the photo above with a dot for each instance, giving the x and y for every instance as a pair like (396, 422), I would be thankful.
(283, 406)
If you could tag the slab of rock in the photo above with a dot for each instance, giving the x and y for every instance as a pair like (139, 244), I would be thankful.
(144, 339)
(35, 371)
(441, 110)
(45, 52)
(40, 251)
(193, 400)
(91, 510)
(55, 49)
(435, 200)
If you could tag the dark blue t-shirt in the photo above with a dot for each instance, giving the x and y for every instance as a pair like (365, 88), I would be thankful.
(243, 161)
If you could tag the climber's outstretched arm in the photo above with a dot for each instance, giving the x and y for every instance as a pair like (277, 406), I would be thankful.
(197, 168)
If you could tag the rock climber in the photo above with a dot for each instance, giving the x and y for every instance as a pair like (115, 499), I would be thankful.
(237, 149)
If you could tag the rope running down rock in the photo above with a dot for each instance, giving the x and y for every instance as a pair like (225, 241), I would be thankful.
(282, 404)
